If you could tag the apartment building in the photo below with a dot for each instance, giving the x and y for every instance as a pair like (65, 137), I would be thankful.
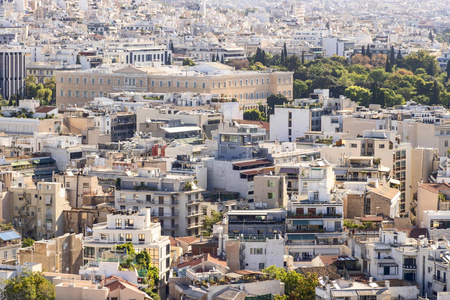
(62, 254)
(289, 123)
(76, 88)
(38, 208)
(10, 243)
(314, 224)
(12, 72)
(271, 191)
(130, 226)
(173, 199)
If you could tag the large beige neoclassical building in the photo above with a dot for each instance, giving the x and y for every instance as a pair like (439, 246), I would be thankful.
(75, 88)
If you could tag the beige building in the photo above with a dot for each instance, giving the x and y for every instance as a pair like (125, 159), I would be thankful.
(431, 196)
(38, 208)
(42, 71)
(63, 254)
(77, 186)
(76, 88)
(271, 191)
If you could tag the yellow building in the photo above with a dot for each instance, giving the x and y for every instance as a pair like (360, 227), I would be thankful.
(249, 88)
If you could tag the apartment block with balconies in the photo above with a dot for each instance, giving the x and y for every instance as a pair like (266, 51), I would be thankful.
(37, 208)
(135, 227)
(174, 200)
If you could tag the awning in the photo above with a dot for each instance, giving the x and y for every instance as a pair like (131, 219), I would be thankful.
(336, 293)
(437, 286)
(340, 172)
(20, 163)
(366, 292)
(300, 222)
(388, 264)
(307, 222)
(290, 170)
(301, 237)
(9, 235)
(315, 222)
(42, 161)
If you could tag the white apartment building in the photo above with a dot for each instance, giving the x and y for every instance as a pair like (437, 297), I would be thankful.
(130, 226)
(289, 123)
(173, 199)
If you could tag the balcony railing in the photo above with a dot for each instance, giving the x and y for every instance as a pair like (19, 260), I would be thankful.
(314, 216)
(440, 279)
(413, 267)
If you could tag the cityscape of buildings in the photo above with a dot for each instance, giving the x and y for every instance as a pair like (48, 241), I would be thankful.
(215, 150)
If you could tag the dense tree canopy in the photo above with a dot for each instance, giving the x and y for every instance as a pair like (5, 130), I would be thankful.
(297, 286)
(32, 286)
(254, 115)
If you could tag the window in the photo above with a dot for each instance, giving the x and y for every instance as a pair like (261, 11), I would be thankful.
(101, 80)
(152, 83)
(121, 237)
(446, 143)
(270, 196)
(85, 185)
(128, 237)
(271, 183)
(141, 237)
(160, 83)
(77, 80)
(103, 236)
(118, 222)
(129, 222)
(381, 146)
(62, 79)
(69, 79)
(169, 83)
(195, 85)
(109, 81)
(261, 266)
(178, 84)
(353, 145)
(186, 84)
(62, 93)
(89, 252)
(70, 93)
(92, 80)
(203, 85)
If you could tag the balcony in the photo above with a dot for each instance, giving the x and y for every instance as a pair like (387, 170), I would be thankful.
(316, 216)
(410, 267)
(193, 202)
(193, 225)
(194, 213)
(170, 227)
(167, 215)
(439, 279)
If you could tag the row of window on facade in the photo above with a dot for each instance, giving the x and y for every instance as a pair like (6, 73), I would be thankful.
(132, 81)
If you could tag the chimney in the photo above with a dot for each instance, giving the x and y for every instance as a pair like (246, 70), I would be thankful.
(387, 284)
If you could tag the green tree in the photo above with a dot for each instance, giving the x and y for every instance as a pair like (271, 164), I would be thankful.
(448, 71)
(300, 88)
(297, 286)
(188, 62)
(363, 51)
(208, 222)
(292, 63)
(392, 58)
(388, 67)
(128, 247)
(358, 94)
(50, 83)
(28, 285)
(254, 115)
(44, 95)
(28, 242)
(431, 36)
(143, 259)
(275, 99)
(421, 59)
